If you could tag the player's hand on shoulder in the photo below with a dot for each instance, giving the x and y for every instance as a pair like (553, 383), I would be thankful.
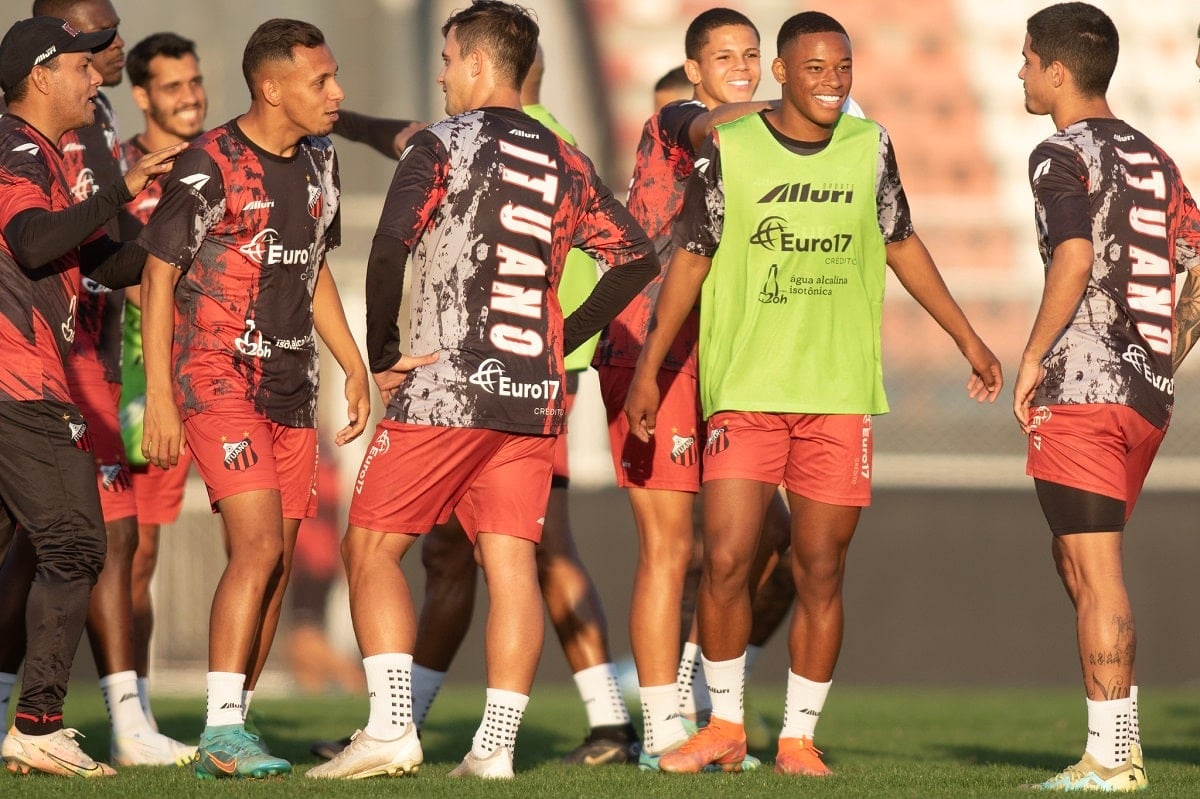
(151, 165)
(390, 379)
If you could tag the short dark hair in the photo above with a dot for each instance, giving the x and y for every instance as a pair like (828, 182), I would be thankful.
(508, 33)
(54, 8)
(273, 41)
(697, 32)
(18, 92)
(137, 59)
(1082, 38)
(675, 79)
(804, 23)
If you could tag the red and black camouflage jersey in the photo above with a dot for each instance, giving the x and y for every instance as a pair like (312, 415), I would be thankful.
(1106, 182)
(488, 203)
(144, 204)
(665, 159)
(249, 230)
(37, 309)
(93, 159)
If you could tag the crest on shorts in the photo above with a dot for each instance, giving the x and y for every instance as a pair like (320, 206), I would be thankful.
(718, 441)
(79, 435)
(240, 455)
(114, 477)
(683, 449)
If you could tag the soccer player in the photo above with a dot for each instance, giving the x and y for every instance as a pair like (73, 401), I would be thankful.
(662, 478)
(1094, 391)
(672, 87)
(784, 235)
(487, 202)
(238, 283)
(47, 474)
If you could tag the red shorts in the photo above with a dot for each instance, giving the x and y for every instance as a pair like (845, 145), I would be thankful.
(237, 450)
(414, 476)
(98, 401)
(1104, 449)
(159, 492)
(824, 457)
(562, 464)
(671, 461)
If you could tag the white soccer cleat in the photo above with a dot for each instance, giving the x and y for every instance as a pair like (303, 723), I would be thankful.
(54, 753)
(372, 757)
(148, 748)
(496, 766)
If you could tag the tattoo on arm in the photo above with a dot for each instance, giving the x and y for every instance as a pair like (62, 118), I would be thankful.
(1187, 319)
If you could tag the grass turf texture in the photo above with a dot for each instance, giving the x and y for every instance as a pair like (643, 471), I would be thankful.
(880, 742)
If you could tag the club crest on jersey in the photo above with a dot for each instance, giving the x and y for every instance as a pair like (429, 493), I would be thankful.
(718, 441)
(315, 203)
(85, 185)
(113, 477)
(240, 455)
(683, 450)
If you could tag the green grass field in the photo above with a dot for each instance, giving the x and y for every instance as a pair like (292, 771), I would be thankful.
(880, 743)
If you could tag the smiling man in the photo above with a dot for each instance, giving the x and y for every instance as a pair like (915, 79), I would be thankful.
(237, 254)
(791, 215)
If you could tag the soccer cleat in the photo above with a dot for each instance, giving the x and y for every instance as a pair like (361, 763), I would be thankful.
(608, 744)
(721, 743)
(1138, 764)
(230, 751)
(1089, 775)
(53, 753)
(496, 766)
(798, 757)
(148, 748)
(328, 750)
(372, 757)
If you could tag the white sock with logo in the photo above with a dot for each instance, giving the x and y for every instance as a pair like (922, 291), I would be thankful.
(224, 706)
(1108, 731)
(694, 701)
(601, 695)
(1135, 725)
(662, 726)
(144, 700)
(425, 686)
(389, 686)
(726, 686)
(501, 720)
(122, 703)
(805, 701)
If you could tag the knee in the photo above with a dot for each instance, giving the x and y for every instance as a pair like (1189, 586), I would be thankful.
(71, 557)
(726, 566)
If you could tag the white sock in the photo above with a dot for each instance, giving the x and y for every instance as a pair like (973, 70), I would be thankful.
(224, 698)
(1135, 725)
(726, 684)
(144, 701)
(1108, 731)
(121, 701)
(601, 695)
(501, 719)
(425, 686)
(752, 653)
(8, 681)
(694, 700)
(247, 697)
(662, 726)
(389, 686)
(805, 700)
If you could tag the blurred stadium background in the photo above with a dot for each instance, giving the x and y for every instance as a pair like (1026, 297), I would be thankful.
(951, 580)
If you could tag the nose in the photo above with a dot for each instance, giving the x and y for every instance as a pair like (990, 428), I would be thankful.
(335, 90)
(96, 79)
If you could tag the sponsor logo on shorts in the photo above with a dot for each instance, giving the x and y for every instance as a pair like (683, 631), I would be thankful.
(1037, 418)
(683, 449)
(718, 441)
(113, 477)
(240, 455)
(864, 462)
(379, 446)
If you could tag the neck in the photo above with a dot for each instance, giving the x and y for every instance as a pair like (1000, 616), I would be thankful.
(40, 119)
(500, 98)
(791, 123)
(155, 138)
(269, 134)
(1081, 108)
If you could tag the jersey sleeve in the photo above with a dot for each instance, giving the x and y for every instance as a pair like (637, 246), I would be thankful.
(701, 220)
(23, 187)
(1187, 230)
(607, 232)
(891, 203)
(675, 121)
(193, 201)
(333, 235)
(1059, 180)
(417, 189)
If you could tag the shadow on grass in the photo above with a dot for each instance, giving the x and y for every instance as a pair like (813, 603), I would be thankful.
(988, 755)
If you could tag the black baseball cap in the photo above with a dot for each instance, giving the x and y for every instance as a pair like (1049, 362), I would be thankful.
(30, 42)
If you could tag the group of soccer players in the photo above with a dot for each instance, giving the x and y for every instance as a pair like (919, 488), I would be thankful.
(738, 306)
